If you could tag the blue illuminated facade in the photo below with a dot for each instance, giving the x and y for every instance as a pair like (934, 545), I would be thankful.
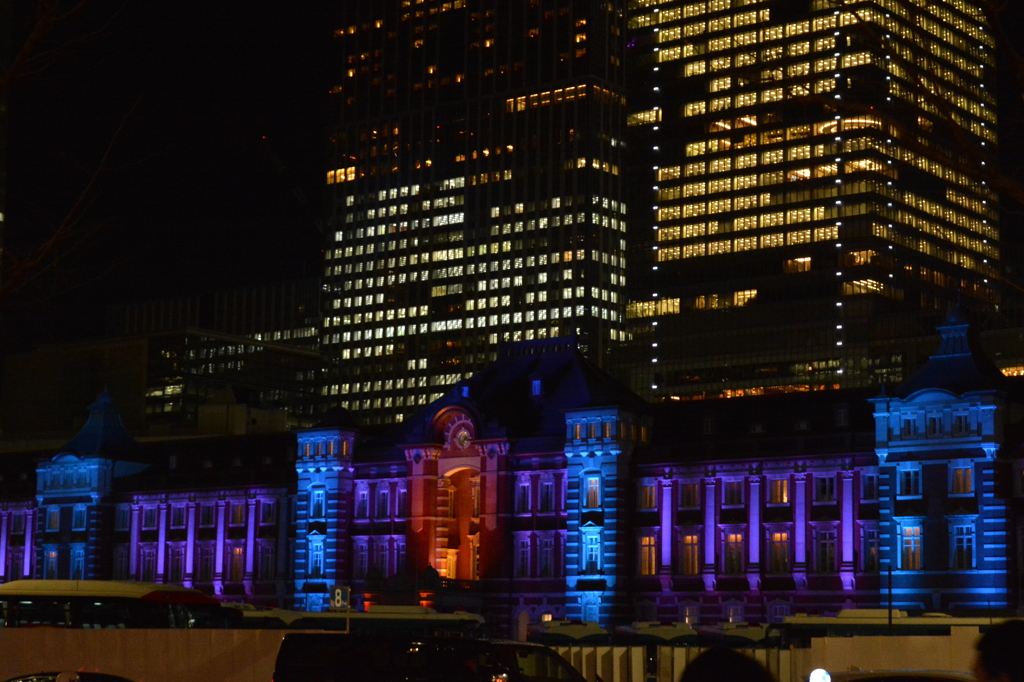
(947, 463)
(541, 487)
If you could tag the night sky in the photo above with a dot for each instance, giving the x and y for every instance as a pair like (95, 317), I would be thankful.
(216, 178)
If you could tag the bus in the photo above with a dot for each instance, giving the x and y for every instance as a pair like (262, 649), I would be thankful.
(104, 604)
(798, 630)
(406, 621)
(567, 633)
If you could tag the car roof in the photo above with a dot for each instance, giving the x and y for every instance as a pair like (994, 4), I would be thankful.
(852, 675)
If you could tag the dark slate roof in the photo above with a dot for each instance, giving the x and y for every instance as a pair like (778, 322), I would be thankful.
(103, 434)
(261, 459)
(780, 425)
(501, 400)
(959, 366)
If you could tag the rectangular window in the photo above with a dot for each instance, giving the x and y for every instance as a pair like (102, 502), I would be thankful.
(78, 564)
(237, 568)
(778, 552)
(523, 498)
(592, 553)
(267, 563)
(869, 487)
(50, 569)
(523, 559)
(648, 555)
(318, 503)
(177, 573)
(961, 481)
(547, 558)
(963, 548)
(149, 518)
(648, 497)
(733, 554)
(382, 504)
(592, 492)
(121, 564)
(911, 548)
(547, 496)
(910, 482)
(237, 513)
(206, 564)
(689, 556)
(824, 488)
(148, 565)
(17, 523)
(689, 495)
(778, 491)
(178, 519)
(825, 551)
(78, 519)
(206, 515)
(733, 493)
(361, 560)
(362, 504)
(870, 551)
(268, 512)
(53, 518)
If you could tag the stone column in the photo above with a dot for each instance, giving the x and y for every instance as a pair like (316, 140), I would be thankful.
(754, 534)
(710, 533)
(847, 525)
(250, 545)
(190, 543)
(30, 544)
(4, 526)
(800, 530)
(161, 544)
(218, 557)
(667, 519)
(133, 543)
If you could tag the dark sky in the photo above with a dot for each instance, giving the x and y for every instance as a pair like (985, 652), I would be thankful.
(215, 178)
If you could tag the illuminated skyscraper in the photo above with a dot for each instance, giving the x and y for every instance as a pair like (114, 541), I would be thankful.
(809, 189)
(476, 190)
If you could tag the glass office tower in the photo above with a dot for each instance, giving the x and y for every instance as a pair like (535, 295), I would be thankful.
(809, 192)
(476, 184)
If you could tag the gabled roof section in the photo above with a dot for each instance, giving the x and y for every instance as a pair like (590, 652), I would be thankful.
(959, 366)
(504, 397)
(103, 434)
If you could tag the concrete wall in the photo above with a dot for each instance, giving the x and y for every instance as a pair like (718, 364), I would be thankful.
(629, 664)
(249, 655)
(143, 655)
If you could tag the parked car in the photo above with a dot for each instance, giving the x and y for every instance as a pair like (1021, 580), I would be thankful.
(332, 657)
(69, 676)
(821, 675)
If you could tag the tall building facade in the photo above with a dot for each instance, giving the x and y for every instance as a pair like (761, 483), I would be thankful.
(476, 186)
(539, 488)
(809, 195)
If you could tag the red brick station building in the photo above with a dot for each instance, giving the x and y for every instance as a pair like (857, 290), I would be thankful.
(540, 488)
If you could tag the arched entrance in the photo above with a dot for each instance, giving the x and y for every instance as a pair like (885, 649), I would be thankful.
(457, 533)
(457, 546)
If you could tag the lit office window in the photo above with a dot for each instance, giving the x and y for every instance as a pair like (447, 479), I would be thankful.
(648, 555)
(778, 552)
(911, 548)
